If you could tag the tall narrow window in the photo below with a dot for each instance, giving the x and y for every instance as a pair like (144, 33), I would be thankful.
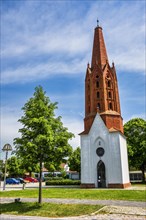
(109, 95)
(110, 106)
(98, 106)
(97, 84)
(98, 95)
(109, 83)
(89, 109)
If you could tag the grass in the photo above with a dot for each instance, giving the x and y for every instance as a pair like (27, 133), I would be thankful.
(48, 209)
(96, 194)
(139, 184)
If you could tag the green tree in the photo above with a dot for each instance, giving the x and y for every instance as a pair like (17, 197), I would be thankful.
(135, 131)
(43, 137)
(27, 166)
(13, 167)
(74, 160)
(2, 168)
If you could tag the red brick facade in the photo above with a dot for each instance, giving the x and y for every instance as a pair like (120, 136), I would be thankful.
(101, 88)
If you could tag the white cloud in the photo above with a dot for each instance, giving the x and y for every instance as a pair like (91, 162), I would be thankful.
(62, 37)
(55, 41)
(69, 38)
(34, 72)
(9, 127)
(76, 127)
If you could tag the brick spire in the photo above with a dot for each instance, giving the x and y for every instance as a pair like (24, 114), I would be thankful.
(99, 54)
(101, 88)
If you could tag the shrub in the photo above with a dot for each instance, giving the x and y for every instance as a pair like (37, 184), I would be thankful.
(53, 178)
(63, 182)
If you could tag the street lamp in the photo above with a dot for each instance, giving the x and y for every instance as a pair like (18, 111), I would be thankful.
(7, 147)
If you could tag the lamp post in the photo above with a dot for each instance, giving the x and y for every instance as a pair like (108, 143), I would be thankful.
(7, 147)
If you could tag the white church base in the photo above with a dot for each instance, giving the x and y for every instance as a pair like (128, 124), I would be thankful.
(118, 185)
(104, 161)
(111, 185)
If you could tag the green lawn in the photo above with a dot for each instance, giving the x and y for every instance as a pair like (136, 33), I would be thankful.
(97, 194)
(139, 185)
(48, 209)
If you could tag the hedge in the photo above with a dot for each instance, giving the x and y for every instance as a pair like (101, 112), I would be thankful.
(63, 182)
(53, 178)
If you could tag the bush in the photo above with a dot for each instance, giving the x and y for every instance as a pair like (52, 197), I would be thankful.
(53, 178)
(63, 182)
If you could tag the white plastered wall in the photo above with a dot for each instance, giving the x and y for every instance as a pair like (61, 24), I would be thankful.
(114, 158)
(89, 144)
(115, 171)
(124, 159)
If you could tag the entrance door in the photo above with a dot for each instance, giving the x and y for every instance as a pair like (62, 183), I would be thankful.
(101, 174)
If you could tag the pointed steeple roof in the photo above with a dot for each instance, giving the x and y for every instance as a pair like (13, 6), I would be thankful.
(99, 54)
(101, 88)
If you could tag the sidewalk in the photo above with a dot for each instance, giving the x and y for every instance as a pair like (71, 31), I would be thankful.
(80, 201)
(111, 213)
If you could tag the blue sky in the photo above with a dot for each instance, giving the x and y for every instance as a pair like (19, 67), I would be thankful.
(49, 43)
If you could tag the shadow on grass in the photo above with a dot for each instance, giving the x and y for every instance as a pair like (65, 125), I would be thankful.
(48, 209)
(18, 207)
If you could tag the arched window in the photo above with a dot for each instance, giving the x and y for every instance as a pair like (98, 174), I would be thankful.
(89, 109)
(109, 95)
(97, 84)
(109, 83)
(98, 95)
(110, 106)
(97, 76)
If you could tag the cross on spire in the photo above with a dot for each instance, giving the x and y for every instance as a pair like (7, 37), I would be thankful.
(97, 22)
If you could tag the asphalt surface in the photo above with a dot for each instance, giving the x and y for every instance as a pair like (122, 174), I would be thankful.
(79, 201)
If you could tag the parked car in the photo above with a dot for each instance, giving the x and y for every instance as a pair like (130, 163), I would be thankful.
(21, 180)
(31, 179)
(12, 181)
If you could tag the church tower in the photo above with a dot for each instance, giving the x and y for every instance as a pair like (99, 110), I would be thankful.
(101, 88)
(104, 160)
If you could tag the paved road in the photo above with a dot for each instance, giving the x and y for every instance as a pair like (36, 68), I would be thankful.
(36, 185)
(80, 201)
(91, 217)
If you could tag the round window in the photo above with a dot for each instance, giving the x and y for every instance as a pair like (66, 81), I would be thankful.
(100, 151)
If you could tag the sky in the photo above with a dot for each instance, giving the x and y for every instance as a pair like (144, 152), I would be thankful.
(49, 43)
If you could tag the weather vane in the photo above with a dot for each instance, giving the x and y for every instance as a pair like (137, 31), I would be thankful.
(97, 22)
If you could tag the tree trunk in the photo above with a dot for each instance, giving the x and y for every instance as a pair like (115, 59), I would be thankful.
(40, 184)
